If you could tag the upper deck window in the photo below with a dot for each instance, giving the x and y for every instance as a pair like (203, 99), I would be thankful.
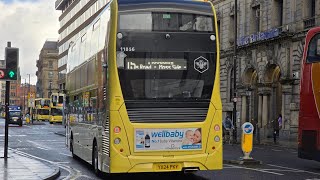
(163, 21)
(314, 49)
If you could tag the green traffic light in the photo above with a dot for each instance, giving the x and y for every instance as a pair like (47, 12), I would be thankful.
(11, 74)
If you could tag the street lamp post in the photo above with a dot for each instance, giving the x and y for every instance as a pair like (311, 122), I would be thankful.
(24, 97)
(235, 71)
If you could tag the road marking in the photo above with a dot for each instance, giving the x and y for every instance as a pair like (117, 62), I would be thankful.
(43, 148)
(293, 169)
(40, 146)
(277, 150)
(259, 170)
(67, 168)
(284, 170)
(65, 154)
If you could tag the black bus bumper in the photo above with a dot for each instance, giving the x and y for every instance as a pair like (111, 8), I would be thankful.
(310, 155)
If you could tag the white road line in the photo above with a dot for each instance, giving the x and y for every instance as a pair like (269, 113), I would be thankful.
(277, 150)
(293, 169)
(284, 170)
(35, 157)
(43, 148)
(259, 170)
(65, 154)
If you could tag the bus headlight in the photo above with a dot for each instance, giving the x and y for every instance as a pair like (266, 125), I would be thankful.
(117, 141)
(119, 35)
(213, 37)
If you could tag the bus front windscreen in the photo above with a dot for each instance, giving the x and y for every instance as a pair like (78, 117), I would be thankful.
(166, 56)
(14, 113)
(43, 111)
(56, 112)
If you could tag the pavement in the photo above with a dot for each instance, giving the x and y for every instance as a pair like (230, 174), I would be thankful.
(19, 166)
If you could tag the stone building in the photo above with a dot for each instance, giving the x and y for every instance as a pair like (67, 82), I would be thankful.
(270, 43)
(47, 74)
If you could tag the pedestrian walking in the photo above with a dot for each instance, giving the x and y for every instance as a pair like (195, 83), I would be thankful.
(277, 125)
(227, 128)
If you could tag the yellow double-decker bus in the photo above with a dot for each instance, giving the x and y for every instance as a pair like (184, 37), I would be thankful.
(42, 109)
(56, 105)
(147, 73)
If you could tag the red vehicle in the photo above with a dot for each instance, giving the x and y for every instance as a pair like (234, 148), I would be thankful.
(309, 117)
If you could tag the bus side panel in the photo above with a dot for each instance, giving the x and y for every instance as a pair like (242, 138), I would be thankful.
(214, 143)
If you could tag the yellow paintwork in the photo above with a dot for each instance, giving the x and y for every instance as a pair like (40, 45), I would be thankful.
(246, 142)
(42, 117)
(209, 158)
(316, 84)
(55, 119)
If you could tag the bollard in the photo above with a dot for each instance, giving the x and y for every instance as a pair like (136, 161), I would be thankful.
(247, 140)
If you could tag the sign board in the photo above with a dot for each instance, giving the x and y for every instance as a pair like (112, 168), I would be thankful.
(31, 98)
(180, 139)
(247, 128)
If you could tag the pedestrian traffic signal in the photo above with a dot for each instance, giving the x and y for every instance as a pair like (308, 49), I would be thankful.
(12, 61)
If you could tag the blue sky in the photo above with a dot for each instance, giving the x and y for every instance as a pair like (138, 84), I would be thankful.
(27, 24)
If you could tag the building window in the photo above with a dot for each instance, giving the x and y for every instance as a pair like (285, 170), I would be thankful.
(310, 12)
(50, 64)
(256, 19)
(231, 30)
(50, 75)
(279, 10)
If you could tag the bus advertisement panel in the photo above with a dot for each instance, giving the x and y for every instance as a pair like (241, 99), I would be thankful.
(151, 88)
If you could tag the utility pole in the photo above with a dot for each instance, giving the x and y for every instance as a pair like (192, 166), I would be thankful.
(235, 71)
(7, 101)
(29, 108)
(24, 97)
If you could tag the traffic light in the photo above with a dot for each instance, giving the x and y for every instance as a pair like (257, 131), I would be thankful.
(12, 61)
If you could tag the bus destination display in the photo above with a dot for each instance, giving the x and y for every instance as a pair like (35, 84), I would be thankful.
(155, 64)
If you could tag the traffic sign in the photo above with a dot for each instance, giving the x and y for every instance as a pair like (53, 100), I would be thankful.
(247, 128)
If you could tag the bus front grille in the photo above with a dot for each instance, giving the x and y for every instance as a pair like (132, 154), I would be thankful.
(167, 115)
(105, 138)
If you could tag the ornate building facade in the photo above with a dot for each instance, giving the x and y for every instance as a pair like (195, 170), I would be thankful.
(270, 41)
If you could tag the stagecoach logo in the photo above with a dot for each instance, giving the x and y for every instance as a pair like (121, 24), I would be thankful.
(201, 64)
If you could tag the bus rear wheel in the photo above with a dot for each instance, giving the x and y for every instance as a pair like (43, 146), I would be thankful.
(71, 147)
(95, 158)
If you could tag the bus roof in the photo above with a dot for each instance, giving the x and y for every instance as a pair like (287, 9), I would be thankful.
(132, 2)
(196, 6)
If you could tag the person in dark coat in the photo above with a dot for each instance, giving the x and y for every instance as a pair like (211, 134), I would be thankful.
(275, 130)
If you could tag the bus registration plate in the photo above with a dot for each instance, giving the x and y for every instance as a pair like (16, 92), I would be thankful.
(167, 167)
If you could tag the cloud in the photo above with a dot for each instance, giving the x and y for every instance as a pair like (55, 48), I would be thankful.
(27, 24)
